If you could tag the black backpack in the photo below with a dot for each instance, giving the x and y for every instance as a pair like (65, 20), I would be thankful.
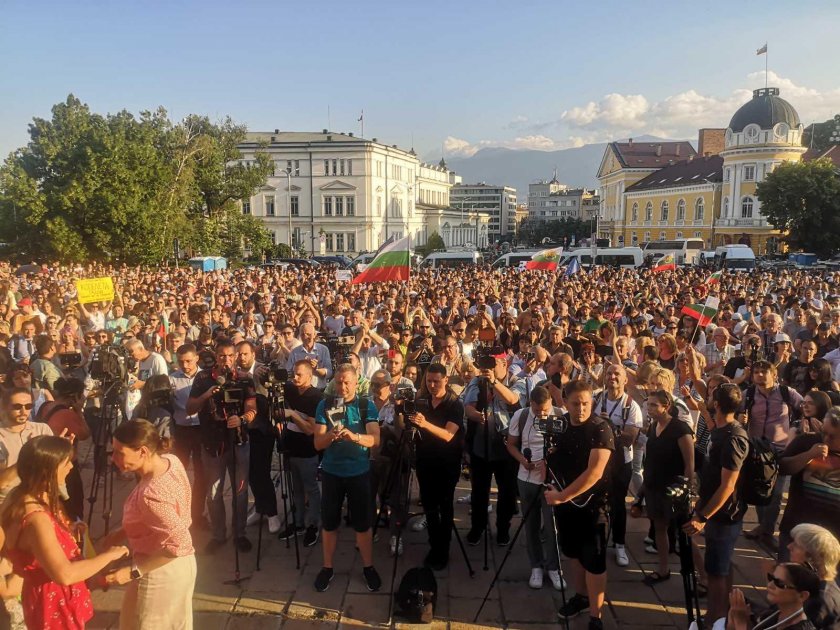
(761, 467)
(416, 596)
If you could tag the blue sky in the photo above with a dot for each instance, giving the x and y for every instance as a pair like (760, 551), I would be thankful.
(447, 76)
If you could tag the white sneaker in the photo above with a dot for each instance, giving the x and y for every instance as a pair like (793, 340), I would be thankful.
(274, 524)
(557, 582)
(253, 519)
(464, 499)
(420, 524)
(536, 580)
(621, 558)
(396, 549)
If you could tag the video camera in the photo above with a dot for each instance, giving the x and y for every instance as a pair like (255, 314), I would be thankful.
(230, 395)
(111, 364)
(484, 356)
(70, 360)
(274, 374)
(680, 494)
(406, 399)
(339, 347)
(551, 425)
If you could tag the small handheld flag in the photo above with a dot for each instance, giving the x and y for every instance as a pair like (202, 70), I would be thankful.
(390, 264)
(545, 259)
(715, 277)
(666, 263)
(703, 313)
(574, 266)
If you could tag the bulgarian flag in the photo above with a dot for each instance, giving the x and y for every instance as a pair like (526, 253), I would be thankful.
(390, 264)
(546, 259)
(715, 277)
(703, 313)
(666, 263)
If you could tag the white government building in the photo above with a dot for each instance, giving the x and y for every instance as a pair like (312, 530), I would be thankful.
(337, 193)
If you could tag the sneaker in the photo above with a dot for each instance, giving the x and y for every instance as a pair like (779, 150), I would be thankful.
(420, 524)
(503, 537)
(650, 548)
(621, 558)
(557, 582)
(372, 579)
(253, 519)
(576, 605)
(213, 546)
(595, 624)
(435, 562)
(243, 544)
(464, 499)
(311, 536)
(274, 524)
(397, 547)
(289, 532)
(474, 536)
(648, 540)
(536, 580)
(323, 579)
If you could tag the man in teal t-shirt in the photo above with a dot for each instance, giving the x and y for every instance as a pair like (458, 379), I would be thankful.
(346, 442)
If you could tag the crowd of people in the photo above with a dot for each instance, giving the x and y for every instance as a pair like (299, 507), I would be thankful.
(588, 399)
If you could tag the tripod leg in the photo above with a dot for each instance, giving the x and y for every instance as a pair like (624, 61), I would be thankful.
(235, 490)
(559, 565)
(287, 472)
(463, 549)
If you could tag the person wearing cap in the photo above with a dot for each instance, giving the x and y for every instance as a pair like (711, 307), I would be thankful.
(29, 313)
(783, 351)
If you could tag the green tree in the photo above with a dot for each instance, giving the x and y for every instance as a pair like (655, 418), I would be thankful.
(533, 231)
(803, 199)
(433, 244)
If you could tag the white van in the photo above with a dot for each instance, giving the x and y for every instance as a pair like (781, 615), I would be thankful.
(443, 260)
(735, 257)
(626, 257)
(686, 251)
(513, 259)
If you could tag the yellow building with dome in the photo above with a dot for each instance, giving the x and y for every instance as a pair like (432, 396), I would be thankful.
(710, 193)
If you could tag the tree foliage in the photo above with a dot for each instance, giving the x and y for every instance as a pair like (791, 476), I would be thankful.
(434, 243)
(120, 187)
(803, 199)
(533, 231)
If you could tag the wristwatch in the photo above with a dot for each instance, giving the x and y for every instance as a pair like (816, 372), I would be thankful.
(700, 517)
(135, 572)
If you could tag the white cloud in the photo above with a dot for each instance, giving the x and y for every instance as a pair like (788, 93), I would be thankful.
(614, 110)
(457, 147)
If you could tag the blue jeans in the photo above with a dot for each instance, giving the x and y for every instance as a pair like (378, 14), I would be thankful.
(720, 545)
(216, 468)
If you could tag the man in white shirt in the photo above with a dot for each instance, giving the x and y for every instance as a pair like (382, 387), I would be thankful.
(525, 443)
(369, 346)
(149, 364)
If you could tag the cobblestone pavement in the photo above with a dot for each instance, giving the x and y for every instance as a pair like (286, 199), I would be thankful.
(281, 596)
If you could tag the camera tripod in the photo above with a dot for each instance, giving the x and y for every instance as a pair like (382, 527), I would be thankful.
(682, 515)
(406, 442)
(103, 470)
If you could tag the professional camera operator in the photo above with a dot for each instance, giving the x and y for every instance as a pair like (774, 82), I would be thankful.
(578, 460)
(226, 402)
(493, 393)
(261, 438)
(346, 434)
(440, 420)
(719, 509)
(525, 443)
(297, 441)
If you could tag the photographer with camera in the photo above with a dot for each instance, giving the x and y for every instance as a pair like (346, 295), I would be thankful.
(669, 470)
(719, 509)
(578, 458)
(440, 420)
(489, 401)
(346, 434)
(225, 400)
(525, 444)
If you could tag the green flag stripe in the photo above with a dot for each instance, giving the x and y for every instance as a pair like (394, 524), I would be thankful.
(390, 259)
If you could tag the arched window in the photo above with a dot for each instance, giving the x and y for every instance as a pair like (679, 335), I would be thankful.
(648, 211)
(726, 206)
(747, 208)
(634, 214)
(681, 210)
(699, 209)
(663, 211)
(679, 234)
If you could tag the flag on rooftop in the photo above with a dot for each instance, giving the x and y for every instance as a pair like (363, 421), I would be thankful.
(391, 264)
(762, 50)
(545, 259)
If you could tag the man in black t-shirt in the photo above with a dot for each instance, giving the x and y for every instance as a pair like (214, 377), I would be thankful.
(578, 461)
(719, 509)
(438, 450)
(298, 443)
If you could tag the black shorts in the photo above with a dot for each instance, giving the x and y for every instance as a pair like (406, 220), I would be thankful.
(358, 493)
(583, 536)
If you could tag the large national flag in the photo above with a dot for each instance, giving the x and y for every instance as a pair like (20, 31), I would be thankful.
(666, 263)
(703, 313)
(762, 50)
(546, 259)
(715, 277)
(390, 264)
(573, 267)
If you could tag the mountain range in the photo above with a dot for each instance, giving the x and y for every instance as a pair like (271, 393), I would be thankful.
(576, 167)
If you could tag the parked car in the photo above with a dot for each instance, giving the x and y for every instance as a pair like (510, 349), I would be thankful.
(342, 262)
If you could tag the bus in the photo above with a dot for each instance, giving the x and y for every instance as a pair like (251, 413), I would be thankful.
(626, 257)
(686, 251)
(735, 257)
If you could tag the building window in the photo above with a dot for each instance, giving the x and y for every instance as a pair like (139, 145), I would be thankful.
(351, 242)
(339, 206)
(339, 242)
(297, 239)
(341, 167)
(634, 214)
(297, 168)
(273, 237)
(663, 211)
(662, 236)
(648, 211)
(350, 172)
(246, 207)
(295, 206)
(698, 234)
(379, 206)
(288, 166)
(351, 209)
(335, 167)
(726, 174)
(726, 206)
(679, 235)
(681, 210)
(327, 206)
(699, 209)
(634, 238)
(746, 208)
(269, 206)
(326, 167)
(328, 241)
(749, 172)
(647, 237)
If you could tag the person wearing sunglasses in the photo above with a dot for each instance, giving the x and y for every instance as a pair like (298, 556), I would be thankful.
(789, 587)
(16, 429)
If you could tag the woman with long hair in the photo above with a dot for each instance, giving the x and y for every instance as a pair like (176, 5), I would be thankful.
(815, 405)
(39, 542)
(156, 522)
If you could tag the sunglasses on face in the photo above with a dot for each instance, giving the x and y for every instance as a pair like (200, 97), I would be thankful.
(21, 406)
(772, 579)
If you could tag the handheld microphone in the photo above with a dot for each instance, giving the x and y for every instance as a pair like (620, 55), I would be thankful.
(221, 380)
(527, 453)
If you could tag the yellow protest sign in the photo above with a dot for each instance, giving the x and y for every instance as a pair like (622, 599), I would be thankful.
(95, 290)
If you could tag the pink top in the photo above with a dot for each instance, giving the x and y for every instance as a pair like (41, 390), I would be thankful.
(156, 515)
